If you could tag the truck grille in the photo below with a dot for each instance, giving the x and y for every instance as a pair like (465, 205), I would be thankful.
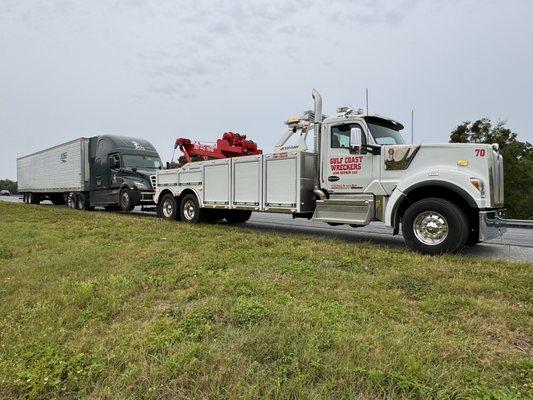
(497, 180)
(153, 181)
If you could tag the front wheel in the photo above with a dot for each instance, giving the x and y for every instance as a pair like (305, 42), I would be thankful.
(125, 200)
(434, 226)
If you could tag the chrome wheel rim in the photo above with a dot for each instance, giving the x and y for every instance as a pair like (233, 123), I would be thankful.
(189, 210)
(430, 228)
(168, 208)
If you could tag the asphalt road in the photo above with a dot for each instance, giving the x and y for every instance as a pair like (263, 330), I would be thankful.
(514, 245)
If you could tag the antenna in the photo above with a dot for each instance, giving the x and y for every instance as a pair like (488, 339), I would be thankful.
(412, 126)
(366, 101)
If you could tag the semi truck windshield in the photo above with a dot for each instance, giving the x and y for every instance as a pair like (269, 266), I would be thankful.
(141, 162)
(384, 132)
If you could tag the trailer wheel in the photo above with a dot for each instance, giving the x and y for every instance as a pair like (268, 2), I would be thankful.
(238, 216)
(434, 226)
(190, 209)
(33, 198)
(168, 207)
(126, 203)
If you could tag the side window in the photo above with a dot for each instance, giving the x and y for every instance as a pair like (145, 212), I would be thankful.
(340, 136)
(114, 161)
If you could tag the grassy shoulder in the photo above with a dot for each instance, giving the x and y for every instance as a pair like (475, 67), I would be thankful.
(104, 305)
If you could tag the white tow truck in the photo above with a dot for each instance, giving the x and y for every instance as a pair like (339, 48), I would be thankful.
(441, 196)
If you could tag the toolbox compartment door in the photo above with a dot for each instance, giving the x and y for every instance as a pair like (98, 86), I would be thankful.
(217, 182)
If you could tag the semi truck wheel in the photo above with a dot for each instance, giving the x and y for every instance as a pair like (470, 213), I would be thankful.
(73, 201)
(83, 202)
(125, 200)
(190, 209)
(168, 207)
(434, 226)
(33, 198)
(238, 216)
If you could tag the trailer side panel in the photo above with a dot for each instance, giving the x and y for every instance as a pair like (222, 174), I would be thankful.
(62, 168)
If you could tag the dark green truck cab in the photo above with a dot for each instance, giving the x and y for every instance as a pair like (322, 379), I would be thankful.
(115, 172)
(123, 172)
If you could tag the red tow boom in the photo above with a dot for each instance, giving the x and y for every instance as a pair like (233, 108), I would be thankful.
(231, 145)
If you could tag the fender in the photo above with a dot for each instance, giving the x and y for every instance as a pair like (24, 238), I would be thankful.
(457, 181)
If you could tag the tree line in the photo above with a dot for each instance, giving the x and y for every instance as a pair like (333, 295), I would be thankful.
(7, 184)
(517, 162)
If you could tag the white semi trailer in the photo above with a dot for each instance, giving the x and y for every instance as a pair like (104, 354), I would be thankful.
(442, 196)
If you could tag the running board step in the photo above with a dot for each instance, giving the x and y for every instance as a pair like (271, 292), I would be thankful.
(357, 210)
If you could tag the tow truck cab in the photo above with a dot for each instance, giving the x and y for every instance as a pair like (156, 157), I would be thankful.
(367, 172)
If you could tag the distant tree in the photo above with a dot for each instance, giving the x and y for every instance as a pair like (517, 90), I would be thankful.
(6, 184)
(517, 161)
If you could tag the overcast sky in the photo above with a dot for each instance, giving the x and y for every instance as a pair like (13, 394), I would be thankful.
(163, 69)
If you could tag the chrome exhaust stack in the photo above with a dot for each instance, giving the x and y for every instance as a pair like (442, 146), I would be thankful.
(317, 143)
(318, 121)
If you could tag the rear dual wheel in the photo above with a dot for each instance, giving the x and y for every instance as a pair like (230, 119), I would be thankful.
(32, 198)
(237, 216)
(168, 207)
(188, 210)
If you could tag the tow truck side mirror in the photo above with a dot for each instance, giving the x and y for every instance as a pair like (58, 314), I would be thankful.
(356, 140)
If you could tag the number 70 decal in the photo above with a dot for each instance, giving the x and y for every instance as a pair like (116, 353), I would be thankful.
(480, 152)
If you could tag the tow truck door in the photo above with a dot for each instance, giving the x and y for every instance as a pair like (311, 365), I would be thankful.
(345, 170)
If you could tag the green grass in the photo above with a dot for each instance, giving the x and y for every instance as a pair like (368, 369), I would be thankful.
(104, 305)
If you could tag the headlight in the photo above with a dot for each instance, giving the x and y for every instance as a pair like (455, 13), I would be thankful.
(478, 184)
(138, 184)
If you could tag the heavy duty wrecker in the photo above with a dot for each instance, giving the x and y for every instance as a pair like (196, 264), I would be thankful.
(359, 170)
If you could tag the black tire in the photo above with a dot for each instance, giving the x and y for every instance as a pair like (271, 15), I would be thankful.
(25, 198)
(33, 198)
(238, 216)
(211, 215)
(82, 203)
(448, 230)
(73, 201)
(190, 210)
(167, 207)
(125, 200)
(58, 200)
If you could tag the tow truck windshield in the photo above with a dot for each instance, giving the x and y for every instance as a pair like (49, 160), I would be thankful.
(140, 162)
(385, 131)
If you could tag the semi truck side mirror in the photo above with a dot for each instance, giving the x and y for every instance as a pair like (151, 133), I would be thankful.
(114, 162)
